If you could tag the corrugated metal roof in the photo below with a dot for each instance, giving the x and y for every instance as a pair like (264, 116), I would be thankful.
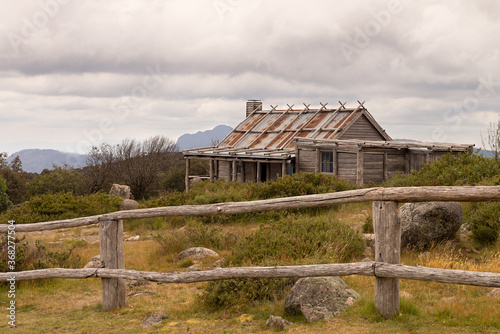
(271, 133)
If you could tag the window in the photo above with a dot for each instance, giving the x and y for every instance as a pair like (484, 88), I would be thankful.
(327, 162)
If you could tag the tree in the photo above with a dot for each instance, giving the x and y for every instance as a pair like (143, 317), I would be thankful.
(98, 173)
(59, 179)
(15, 177)
(136, 164)
(5, 203)
(493, 140)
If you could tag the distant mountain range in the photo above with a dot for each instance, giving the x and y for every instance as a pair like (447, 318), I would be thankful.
(36, 160)
(203, 138)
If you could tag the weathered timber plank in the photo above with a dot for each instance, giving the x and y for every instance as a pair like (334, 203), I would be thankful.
(111, 244)
(379, 269)
(387, 227)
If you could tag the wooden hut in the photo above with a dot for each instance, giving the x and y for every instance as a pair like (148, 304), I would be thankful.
(363, 161)
(341, 141)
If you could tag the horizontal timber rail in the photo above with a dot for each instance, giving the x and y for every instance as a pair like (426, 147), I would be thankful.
(377, 269)
(407, 194)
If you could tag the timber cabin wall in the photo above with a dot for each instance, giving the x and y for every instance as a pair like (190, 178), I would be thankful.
(362, 129)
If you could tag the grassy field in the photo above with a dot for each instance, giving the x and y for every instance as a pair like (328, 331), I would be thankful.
(74, 306)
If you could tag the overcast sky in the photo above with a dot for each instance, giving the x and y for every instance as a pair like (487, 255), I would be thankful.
(76, 73)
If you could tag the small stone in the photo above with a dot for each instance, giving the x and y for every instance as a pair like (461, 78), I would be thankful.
(194, 267)
(277, 323)
(494, 293)
(406, 295)
(196, 253)
(153, 319)
(95, 262)
(350, 301)
(136, 238)
(319, 297)
(129, 204)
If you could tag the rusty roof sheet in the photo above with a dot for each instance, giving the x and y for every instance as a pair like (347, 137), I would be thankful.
(271, 133)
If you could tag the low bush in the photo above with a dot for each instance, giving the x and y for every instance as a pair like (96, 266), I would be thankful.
(195, 234)
(221, 191)
(295, 240)
(31, 256)
(61, 206)
(451, 170)
(484, 219)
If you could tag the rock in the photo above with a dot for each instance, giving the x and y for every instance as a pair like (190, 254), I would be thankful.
(319, 297)
(425, 223)
(118, 190)
(196, 253)
(406, 295)
(136, 238)
(196, 180)
(194, 267)
(494, 293)
(465, 229)
(153, 319)
(95, 262)
(129, 204)
(277, 323)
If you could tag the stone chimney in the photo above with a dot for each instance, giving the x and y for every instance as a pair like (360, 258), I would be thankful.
(253, 105)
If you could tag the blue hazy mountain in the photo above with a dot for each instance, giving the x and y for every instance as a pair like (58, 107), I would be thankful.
(203, 138)
(36, 160)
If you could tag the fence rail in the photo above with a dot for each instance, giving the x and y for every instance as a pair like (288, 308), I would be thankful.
(386, 268)
(377, 269)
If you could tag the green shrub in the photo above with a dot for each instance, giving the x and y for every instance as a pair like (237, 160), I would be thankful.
(221, 191)
(298, 239)
(59, 179)
(35, 256)
(464, 169)
(295, 240)
(61, 206)
(5, 203)
(484, 219)
(236, 293)
(195, 235)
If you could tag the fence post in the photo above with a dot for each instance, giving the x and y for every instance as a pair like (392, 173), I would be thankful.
(387, 249)
(111, 238)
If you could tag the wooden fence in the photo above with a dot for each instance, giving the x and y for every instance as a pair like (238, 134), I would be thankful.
(386, 267)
